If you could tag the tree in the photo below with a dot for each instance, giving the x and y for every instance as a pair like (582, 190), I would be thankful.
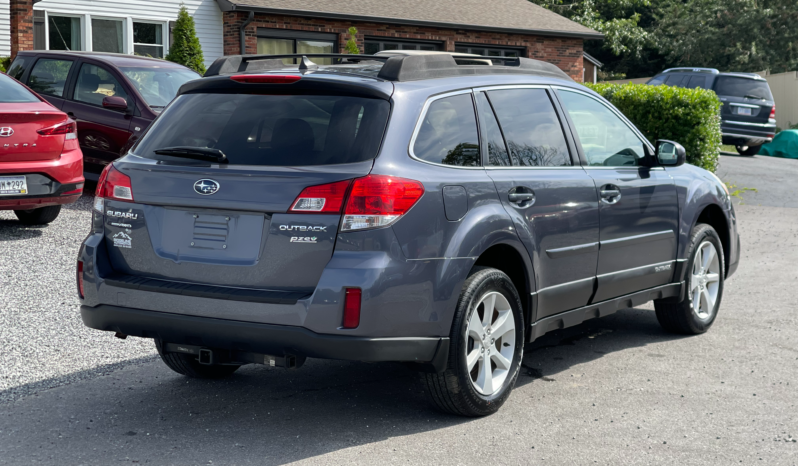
(351, 44)
(185, 48)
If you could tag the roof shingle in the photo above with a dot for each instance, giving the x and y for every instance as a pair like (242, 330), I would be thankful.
(512, 16)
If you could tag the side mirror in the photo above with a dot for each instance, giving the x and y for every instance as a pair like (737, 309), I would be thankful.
(670, 154)
(114, 102)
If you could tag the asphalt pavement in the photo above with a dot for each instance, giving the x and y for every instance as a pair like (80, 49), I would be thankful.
(617, 390)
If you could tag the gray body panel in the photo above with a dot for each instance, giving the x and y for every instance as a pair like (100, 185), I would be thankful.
(411, 272)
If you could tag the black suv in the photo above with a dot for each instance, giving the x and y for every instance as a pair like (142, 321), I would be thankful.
(402, 208)
(748, 113)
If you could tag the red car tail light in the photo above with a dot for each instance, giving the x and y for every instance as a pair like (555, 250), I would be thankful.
(322, 199)
(266, 78)
(68, 128)
(352, 302)
(80, 279)
(114, 185)
(379, 200)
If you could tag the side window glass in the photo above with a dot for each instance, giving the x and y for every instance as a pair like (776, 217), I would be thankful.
(95, 83)
(675, 80)
(697, 82)
(49, 76)
(448, 134)
(606, 139)
(657, 80)
(497, 151)
(531, 127)
(17, 69)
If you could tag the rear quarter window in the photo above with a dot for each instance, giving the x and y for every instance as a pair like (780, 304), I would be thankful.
(448, 133)
(273, 130)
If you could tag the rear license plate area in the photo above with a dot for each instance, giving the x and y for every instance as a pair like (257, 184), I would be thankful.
(13, 185)
(743, 111)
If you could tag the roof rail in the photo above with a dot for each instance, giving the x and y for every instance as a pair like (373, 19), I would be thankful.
(394, 68)
(694, 70)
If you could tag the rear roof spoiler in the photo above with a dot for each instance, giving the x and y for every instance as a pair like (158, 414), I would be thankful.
(394, 68)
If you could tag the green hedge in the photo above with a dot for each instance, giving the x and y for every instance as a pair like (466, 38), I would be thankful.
(690, 117)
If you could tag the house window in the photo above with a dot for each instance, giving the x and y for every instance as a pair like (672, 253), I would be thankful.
(488, 51)
(279, 42)
(148, 39)
(64, 33)
(373, 46)
(106, 35)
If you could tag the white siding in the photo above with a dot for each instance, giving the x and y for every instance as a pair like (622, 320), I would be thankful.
(5, 28)
(206, 14)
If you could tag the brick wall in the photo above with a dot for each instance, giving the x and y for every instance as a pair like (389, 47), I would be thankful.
(21, 26)
(564, 52)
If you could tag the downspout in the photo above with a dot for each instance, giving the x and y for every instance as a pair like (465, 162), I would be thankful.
(243, 33)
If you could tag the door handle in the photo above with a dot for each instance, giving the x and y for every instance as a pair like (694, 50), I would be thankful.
(610, 194)
(520, 197)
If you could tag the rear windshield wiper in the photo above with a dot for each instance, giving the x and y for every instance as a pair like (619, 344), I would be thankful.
(751, 96)
(198, 153)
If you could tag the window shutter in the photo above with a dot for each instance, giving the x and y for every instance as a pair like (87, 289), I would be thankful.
(171, 37)
(39, 42)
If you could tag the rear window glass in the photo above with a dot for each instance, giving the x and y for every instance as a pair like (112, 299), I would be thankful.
(743, 87)
(13, 92)
(274, 130)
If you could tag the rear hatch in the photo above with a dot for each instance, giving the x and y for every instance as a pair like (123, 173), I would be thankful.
(747, 103)
(23, 119)
(228, 224)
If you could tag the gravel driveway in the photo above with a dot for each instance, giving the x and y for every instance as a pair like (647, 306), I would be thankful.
(616, 390)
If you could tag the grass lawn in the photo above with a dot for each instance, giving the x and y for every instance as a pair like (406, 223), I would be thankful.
(726, 148)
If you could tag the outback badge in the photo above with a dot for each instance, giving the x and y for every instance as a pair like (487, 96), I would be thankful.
(206, 187)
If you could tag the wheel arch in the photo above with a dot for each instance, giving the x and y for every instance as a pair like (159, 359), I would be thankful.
(515, 263)
(713, 216)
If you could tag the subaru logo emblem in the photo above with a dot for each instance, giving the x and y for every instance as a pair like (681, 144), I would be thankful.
(6, 131)
(206, 187)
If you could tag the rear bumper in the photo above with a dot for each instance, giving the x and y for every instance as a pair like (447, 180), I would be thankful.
(746, 134)
(50, 182)
(263, 338)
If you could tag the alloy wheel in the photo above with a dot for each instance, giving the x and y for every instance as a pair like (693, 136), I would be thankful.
(705, 280)
(490, 344)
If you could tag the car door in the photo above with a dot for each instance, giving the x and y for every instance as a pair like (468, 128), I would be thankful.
(638, 205)
(551, 199)
(49, 77)
(102, 132)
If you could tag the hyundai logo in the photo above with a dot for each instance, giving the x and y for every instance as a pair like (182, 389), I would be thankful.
(6, 131)
(206, 187)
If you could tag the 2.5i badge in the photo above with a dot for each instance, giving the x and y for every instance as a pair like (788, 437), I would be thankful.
(304, 239)
(123, 240)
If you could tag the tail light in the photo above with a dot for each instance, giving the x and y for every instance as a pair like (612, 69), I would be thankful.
(68, 128)
(352, 302)
(114, 185)
(772, 118)
(378, 200)
(322, 199)
(80, 280)
(266, 78)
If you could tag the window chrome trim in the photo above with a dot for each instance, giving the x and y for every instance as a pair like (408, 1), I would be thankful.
(502, 87)
(611, 108)
(420, 122)
(513, 167)
(761, 125)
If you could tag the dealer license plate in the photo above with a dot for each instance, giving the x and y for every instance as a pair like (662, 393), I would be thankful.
(13, 185)
(743, 111)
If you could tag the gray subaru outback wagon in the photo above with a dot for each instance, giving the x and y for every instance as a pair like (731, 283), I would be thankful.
(422, 209)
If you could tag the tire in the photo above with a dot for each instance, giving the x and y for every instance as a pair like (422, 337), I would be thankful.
(702, 283)
(40, 216)
(748, 151)
(457, 390)
(187, 364)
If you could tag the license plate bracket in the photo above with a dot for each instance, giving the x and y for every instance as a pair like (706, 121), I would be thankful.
(744, 111)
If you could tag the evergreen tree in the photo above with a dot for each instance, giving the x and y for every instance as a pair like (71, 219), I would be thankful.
(185, 48)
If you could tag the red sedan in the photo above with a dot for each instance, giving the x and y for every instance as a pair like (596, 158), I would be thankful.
(41, 165)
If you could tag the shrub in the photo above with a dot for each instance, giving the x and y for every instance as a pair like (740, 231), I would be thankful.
(5, 63)
(690, 117)
(351, 44)
(186, 49)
